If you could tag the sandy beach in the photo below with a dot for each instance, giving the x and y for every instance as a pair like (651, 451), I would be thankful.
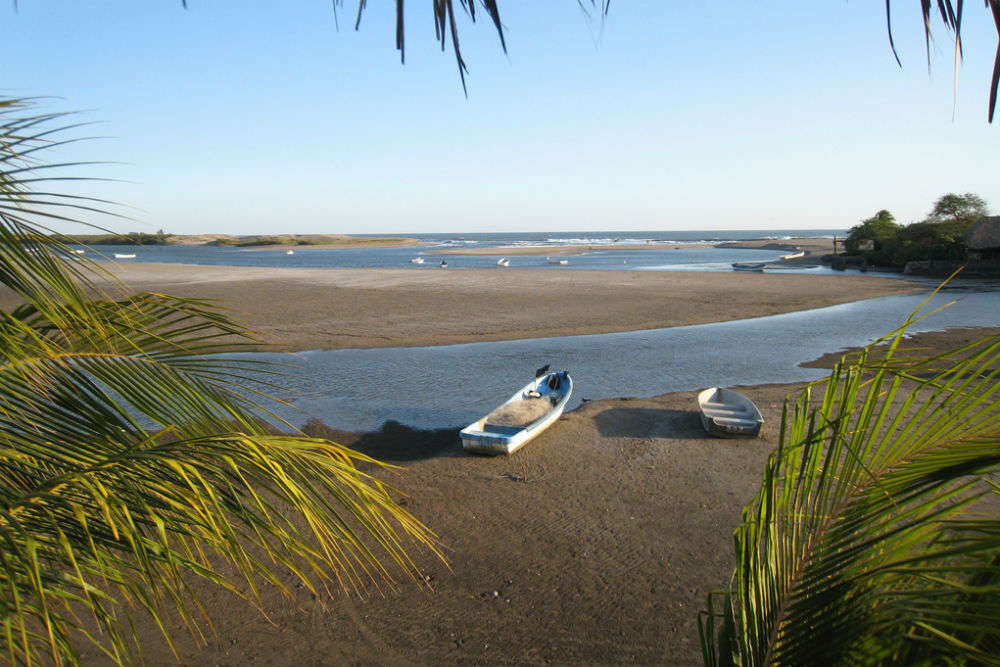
(596, 544)
(300, 309)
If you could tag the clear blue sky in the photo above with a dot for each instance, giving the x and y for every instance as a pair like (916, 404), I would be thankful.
(261, 117)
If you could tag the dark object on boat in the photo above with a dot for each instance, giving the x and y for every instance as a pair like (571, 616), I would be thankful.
(542, 371)
(727, 414)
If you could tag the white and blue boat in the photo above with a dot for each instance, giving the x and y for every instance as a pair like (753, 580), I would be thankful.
(522, 417)
(728, 414)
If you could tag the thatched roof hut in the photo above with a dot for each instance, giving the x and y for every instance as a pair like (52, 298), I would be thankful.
(984, 235)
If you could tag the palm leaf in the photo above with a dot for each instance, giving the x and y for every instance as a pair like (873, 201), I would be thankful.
(134, 462)
(950, 13)
(862, 546)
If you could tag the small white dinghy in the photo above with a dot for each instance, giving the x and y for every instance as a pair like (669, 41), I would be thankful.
(503, 261)
(727, 414)
(124, 255)
(417, 260)
(525, 414)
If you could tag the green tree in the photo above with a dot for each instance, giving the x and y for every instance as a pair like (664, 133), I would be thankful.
(883, 232)
(132, 463)
(864, 546)
(967, 208)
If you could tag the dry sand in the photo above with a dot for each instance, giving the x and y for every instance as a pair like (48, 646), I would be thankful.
(298, 309)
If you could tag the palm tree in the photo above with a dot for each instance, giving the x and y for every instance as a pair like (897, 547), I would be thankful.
(132, 464)
(864, 545)
(951, 13)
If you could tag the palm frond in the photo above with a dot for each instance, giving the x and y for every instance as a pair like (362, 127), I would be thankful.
(134, 462)
(950, 12)
(862, 546)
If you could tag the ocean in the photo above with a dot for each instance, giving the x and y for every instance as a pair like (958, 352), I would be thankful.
(660, 251)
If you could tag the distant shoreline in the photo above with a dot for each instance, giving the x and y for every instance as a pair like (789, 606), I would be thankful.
(256, 241)
(814, 247)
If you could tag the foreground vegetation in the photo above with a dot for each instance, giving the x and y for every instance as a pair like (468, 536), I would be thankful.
(865, 544)
(131, 464)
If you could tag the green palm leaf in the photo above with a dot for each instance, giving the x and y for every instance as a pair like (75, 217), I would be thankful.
(133, 465)
(863, 545)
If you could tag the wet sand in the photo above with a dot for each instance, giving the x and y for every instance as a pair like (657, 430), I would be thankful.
(299, 309)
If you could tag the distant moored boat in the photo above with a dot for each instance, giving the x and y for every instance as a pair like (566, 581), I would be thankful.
(289, 252)
(417, 260)
(748, 266)
(503, 261)
(124, 255)
(557, 261)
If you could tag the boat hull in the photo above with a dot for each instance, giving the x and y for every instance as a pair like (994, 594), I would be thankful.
(748, 266)
(727, 414)
(485, 438)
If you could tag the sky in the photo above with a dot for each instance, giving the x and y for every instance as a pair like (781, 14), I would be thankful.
(262, 117)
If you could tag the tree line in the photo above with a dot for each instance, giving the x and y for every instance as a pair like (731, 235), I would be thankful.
(940, 236)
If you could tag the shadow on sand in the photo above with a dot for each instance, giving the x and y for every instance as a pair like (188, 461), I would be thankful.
(393, 442)
(649, 423)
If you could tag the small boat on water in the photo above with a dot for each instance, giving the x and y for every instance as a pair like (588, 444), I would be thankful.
(417, 260)
(503, 261)
(522, 417)
(728, 414)
(124, 255)
(794, 255)
(557, 261)
(77, 251)
(749, 266)
(289, 252)
(444, 264)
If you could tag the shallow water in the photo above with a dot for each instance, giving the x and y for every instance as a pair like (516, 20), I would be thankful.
(658, 251)
(450, 386)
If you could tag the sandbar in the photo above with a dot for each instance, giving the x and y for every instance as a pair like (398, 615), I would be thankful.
(303, 309)
(814, 248)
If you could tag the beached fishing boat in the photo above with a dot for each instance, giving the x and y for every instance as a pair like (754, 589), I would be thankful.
(124, 255)
(728, 414)
(748, 266)
(525, 414)
(417, 260)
